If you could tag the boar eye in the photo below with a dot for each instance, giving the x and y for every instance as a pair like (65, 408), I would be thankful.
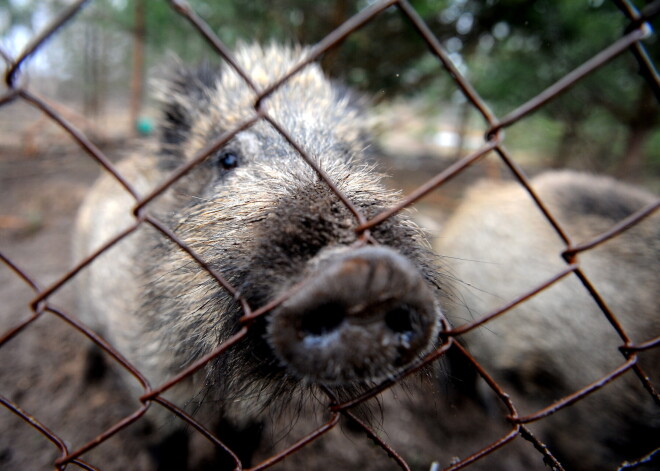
(228, 160)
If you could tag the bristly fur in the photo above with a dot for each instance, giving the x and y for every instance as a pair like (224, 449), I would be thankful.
(558, 341)
(261, 225)
(183, 86)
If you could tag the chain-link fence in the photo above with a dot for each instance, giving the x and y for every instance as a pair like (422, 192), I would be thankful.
(153, 395)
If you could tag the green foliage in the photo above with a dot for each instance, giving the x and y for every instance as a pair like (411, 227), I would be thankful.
(509, 49)
(545, 40)
(527, 46)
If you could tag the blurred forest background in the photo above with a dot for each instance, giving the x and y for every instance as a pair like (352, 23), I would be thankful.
(510, 50)
(96, 72)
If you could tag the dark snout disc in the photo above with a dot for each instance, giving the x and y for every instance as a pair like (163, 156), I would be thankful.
(361, 316)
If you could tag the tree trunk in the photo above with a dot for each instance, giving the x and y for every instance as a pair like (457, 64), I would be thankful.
(643, 121)
(137, 79)
(630, 166)
(463, 126)
(91, 61)
(340, 13)
(566, 149)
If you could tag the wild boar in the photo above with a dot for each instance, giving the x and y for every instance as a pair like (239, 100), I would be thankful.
(498, 245)
(260, 216)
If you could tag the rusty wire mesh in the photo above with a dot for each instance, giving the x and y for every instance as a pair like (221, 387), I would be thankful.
(630, 42)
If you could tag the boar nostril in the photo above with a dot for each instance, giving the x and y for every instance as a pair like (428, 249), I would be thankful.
(399, 320)
(323, 319)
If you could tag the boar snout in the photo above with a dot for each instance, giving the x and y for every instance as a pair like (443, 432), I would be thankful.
(361, 315)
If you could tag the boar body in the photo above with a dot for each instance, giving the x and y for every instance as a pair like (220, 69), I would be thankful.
(499, 246)
(264, 220)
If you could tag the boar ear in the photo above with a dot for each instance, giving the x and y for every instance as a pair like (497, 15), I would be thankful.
(183, 95)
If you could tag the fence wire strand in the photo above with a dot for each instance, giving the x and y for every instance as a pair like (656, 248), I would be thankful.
(493, 145)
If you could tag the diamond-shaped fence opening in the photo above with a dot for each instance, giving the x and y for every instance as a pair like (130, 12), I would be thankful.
(495, 420)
